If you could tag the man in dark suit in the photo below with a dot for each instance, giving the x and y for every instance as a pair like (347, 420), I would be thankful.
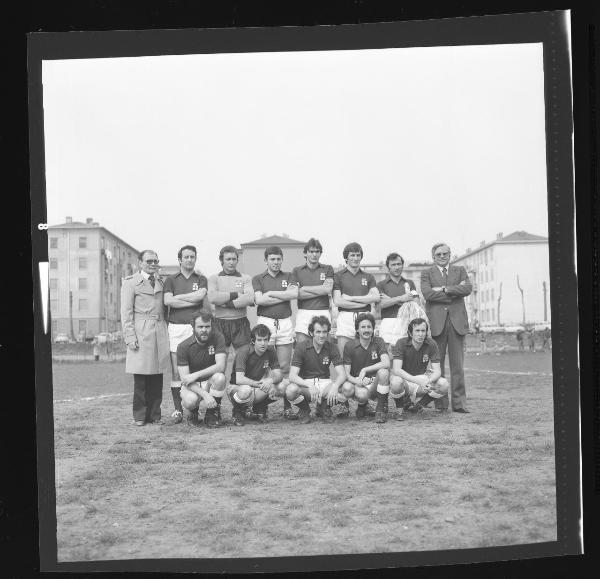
(445, 286)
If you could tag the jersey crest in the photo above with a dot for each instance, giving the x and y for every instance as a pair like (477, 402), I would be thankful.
(284, 283)
(211, 350)
(374, 355)
(322, 276)
(363, 281)
(425, 358)
(239, 284)
(266, 364)
(195, 287)
(325, 360)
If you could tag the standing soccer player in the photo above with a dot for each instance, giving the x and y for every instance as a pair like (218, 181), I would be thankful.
(414, 382)
(394, 291)
(184, 294)
(255, 377)
(231, 293)
(273, 291)
(201, 362)
(315, 284)
(310, 378)
(367, 362)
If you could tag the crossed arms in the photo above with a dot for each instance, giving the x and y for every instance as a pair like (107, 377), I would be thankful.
(436, 294)
(355, 302)
(275, 297)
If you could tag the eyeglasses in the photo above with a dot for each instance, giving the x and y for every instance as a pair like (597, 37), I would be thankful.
(152, 261)
(442, 254)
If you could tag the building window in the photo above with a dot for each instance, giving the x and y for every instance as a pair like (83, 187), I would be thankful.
(83, 326)
(485, 276)
(83, 283)
(83, 305)
(82, 242)
(494, 315)
(110, 297)
(492, 294)
(53, 242)
(53, 263)
(53, 306)
(111, 279)
(53, 283)
(83, 263)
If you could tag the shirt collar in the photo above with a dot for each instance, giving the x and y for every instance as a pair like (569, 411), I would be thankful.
(442, 268)
(145, 275)
(389, 278)
(360, 270)
(236, 273)
(305, 266)
(273, 276)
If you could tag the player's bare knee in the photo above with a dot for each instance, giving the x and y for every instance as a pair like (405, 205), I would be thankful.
(396, 385)
(361, 395)
(442, 386)
(292, 391)
(243, 393)
(383, 376)
(189, 399)
(347, 390)
(218, 381)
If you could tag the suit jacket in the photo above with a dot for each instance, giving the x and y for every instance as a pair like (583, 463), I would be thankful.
(439, 304)
(143, 320)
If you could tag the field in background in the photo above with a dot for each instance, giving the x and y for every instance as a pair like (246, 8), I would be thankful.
(432, 482)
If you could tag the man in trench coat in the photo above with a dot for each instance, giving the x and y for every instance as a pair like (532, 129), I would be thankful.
(445, 287)
(145, 333)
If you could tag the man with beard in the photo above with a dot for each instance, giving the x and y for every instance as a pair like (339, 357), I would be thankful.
(255, 377)
(414, 383)
(310, 378)
(315, 284)
(367, 362)
(445, 287)
(201, 363)
(184, 295)
(273, 291)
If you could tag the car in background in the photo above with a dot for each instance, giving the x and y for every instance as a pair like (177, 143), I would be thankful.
(117, 336)
(61, 339)
(103, 337)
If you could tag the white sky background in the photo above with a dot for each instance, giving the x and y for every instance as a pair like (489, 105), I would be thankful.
(393, 148)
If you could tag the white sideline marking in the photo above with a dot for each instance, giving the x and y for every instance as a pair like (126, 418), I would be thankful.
(88, 398)
(512, 373)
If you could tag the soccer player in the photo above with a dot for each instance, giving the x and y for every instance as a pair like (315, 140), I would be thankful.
(273, 291)
(367, 365)
(201, 361)
(231, 293)
(310, 378)
(315, 284)
(184, 294)
(353, 292)
(412, 383)
(255, 377)
(394, 291)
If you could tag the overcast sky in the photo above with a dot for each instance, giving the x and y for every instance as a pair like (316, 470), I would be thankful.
(393, 148)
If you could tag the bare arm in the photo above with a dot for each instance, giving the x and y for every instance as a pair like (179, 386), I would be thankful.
(218, 366)
(284, 295)
(398, 371)
(216, 297)
(246, 298)
(371, 298)
(175, 301)
(295, 378)
(192, 297)
(388, 302)
(308, 291)
(264, 299)
(340, 302)
(436, 372)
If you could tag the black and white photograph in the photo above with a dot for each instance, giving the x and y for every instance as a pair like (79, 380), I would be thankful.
(298, 296)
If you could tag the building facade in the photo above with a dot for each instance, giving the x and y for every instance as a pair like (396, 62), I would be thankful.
(511, 280)
(86, 265)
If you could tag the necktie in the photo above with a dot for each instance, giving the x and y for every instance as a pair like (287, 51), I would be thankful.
(151, 280)
(445, 272)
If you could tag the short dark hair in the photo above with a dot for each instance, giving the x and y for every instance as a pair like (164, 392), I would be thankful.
(260, 331)
(273, 250)
(227, 249)
(352, 248)
(204, 316)
(312, 242)
(362, 317)
(190, 247)
(144, 252)
(438, 245)
(416, 322)
(391, 257)
(322, 321)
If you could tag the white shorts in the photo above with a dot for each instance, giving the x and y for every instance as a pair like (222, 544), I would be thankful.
(412, 391)
(320, 383)
(304, 317)
(177, 334)
(282, 331)
(345, 325)
(386, 332)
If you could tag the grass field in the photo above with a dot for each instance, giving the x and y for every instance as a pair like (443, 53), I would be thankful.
(434, 481)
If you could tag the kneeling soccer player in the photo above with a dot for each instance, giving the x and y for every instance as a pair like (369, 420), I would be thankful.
(201, 360)
(367, 362)
(256, 377)
(310, 379)
(413, 382)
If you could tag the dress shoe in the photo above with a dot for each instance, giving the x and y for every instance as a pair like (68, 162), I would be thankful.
(139, 423)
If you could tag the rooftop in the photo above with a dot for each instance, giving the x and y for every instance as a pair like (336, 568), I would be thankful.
(514, 237)
(274, 240)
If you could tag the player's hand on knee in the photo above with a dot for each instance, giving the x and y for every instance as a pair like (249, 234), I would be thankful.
(314, 394)
(210, 401)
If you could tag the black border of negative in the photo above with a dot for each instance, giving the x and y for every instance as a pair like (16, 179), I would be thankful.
(551, 29)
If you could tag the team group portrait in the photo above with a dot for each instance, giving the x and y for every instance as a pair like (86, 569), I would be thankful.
(222, 389)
